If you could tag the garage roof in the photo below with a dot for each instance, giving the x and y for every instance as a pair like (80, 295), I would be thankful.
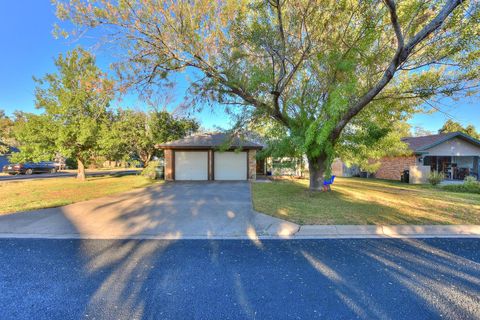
(210, 141)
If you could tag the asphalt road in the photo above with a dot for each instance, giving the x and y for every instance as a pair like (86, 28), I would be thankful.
(64, 175)
(197, 279)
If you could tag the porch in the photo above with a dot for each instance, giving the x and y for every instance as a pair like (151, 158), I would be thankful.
(453, 167)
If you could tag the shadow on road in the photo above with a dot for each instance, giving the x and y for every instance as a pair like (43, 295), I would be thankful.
(146, 279)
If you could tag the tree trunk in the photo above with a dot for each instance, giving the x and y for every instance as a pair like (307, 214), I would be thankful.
(145, 157)
(80, 170)
(146, 160)
(316, 168)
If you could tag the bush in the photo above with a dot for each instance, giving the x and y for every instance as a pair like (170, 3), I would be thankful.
(435, 177)
(134, 164)
(468, 188)
(151, 171)
(71, 163)
(470, 185)
(471, 180)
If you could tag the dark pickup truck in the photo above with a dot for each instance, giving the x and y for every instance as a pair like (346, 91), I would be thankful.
(30, 168)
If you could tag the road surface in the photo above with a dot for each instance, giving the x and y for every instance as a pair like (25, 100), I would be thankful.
(64, 175)
(230, 279)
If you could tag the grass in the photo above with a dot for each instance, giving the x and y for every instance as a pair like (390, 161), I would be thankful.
(46, 193)
(365, 201)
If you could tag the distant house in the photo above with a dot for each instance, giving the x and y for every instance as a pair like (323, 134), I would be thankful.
(298, 167)
(454, 154)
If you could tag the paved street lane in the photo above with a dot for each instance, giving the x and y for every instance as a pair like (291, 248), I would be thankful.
(65, 174)
(201, 279)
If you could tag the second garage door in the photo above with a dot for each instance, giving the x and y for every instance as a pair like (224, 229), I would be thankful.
(191, 165)
(230, 165)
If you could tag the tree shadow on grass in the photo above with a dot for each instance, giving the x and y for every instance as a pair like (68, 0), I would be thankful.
(357, 204)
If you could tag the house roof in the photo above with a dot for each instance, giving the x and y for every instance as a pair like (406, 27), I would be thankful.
(209, 141)
(420, 144)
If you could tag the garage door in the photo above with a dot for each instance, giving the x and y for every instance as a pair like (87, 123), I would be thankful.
(191, 165)
(230, 165)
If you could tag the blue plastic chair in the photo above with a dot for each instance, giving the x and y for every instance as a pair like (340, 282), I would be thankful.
(328, 183)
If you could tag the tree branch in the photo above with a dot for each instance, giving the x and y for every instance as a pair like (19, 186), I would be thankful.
(401, 55)
(395, 24)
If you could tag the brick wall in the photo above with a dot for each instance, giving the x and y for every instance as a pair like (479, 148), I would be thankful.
(168, 165)
(252, 164)
(392, 167)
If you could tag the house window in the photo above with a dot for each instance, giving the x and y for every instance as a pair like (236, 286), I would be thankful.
(462, 167)
(427, 161)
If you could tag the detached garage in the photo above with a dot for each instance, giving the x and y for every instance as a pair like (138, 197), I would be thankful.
(210, 156)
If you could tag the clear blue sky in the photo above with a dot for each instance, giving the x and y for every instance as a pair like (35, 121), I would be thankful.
(28, 49)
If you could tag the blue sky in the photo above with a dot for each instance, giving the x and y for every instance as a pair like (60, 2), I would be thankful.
(28, 49)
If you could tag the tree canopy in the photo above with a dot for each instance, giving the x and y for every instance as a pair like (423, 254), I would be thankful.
(453, 126)
(137, 133)
(6, 132)
(78, 123)
(312, 66)
(75, 103)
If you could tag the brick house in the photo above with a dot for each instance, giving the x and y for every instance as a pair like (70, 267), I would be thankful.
(454, 154)
(210, 156)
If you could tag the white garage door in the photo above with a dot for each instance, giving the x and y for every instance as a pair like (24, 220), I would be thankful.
(190, 165)
(230, 165)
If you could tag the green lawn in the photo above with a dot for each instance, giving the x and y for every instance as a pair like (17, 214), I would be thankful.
(45, 193)
(365, 201)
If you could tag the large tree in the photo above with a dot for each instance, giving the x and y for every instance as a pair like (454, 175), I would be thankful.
(75, 103)
(133, 132)
(313, 66)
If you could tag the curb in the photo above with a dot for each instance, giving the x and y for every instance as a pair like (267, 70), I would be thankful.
(290, 231)
(386, 231)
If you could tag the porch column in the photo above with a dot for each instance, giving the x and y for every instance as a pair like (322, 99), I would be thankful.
(476, 166)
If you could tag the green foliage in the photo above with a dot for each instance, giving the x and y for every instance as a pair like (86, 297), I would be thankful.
(36, 135)
(317, 68)
(367, 144)
(74, 102)
(151, 170)
(71, 163)
(470, 185)
(470, 180)
(6, 133)
(136, 133)
(435, 177)
(453, 126)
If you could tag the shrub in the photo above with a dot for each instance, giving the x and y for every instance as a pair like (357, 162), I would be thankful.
(151, 170)
(134, 164)
(471, 180)
(470, 185)
(435, 177)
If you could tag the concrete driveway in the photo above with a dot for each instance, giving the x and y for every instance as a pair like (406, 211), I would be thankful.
(179, 210)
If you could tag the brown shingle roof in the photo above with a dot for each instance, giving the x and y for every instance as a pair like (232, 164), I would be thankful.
(417, 144)
(209, 141)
